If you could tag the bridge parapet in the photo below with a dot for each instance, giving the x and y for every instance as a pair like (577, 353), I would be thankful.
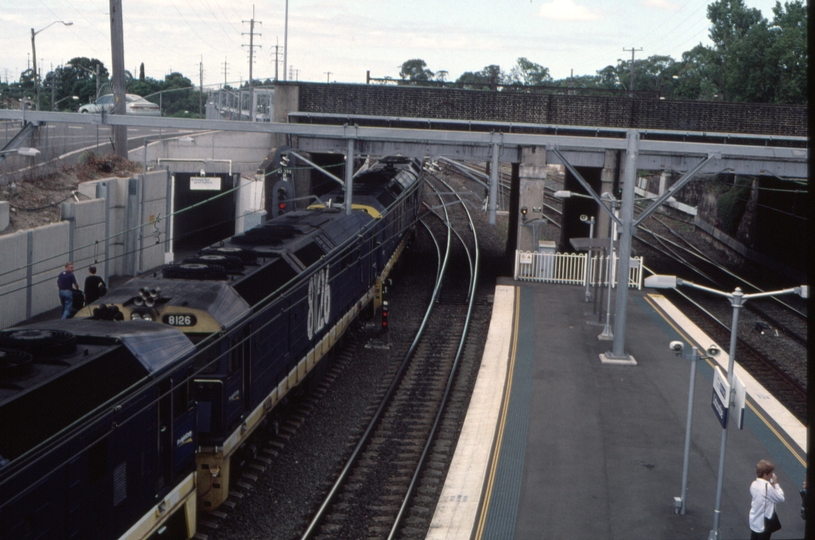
(550, 108)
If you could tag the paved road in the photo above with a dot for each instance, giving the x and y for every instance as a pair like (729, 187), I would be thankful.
(67, 142)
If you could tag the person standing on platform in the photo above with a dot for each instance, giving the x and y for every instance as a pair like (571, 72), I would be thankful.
(66, 281)
(766, 494)
(94, 286)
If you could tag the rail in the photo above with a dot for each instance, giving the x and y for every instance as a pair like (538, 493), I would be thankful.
(571, 269)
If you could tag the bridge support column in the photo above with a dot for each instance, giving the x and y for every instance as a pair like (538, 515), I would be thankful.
(609, 179)
(618, 354)
(496, 149)
(532, 179)
(349, 176)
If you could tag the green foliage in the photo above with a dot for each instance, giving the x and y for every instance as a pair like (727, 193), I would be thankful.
(175, 94)
(415, 70)
(754, 60)
(488, 78)
(731, 204)
(789, 52)
(528, 73)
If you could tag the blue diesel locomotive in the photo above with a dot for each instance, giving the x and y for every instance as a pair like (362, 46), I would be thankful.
(143, 423)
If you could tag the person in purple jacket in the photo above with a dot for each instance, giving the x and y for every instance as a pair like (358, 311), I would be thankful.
(66, 281)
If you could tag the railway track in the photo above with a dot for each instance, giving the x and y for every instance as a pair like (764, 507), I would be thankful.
(773, 375)
(301, 453)
(772, 331)
(373, 496)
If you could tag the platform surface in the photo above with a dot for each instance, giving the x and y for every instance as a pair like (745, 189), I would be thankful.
(559, 445)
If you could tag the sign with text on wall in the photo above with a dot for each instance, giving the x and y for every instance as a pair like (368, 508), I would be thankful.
(721, 399)
(205, 183)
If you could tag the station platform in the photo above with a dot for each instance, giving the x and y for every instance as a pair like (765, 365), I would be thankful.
(558, 444)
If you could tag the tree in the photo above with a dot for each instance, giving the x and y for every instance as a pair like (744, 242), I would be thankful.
(415, 70)
(609, 78)
(788, 53)
(487, 79)
(79, 77)
(731, 21)
(528, 73)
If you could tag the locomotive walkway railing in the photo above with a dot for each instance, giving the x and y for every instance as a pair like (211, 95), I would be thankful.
(571, 269)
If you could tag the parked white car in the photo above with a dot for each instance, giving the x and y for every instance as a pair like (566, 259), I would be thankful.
(133, 105)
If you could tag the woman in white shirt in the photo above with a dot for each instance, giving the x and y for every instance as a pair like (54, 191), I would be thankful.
(766, 493)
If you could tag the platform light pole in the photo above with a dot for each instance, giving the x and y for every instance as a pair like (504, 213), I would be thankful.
(681, 502)
(607, 334)
(34, 55)
(614, 204)
(590, 220)
(737, 299)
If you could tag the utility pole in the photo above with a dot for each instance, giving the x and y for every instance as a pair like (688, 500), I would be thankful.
(201, 88)
(251, 61)
(631, 85)
(328, 76)
(118, 60)
(276, 59)
(286, 41)
(226, 69)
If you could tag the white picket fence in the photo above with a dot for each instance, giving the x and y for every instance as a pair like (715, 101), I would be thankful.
(570, 269)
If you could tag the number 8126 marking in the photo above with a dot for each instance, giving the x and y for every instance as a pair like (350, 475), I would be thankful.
(180, 319)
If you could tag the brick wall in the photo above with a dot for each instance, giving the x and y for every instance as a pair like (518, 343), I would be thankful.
(579, 110)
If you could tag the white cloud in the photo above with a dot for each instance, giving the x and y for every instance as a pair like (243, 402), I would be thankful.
(662, 4)
(567, 10)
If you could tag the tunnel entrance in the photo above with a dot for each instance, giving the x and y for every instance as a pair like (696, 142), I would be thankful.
(206, 223)
(575, 206)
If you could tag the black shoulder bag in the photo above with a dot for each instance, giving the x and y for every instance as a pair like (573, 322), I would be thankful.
(771, 524)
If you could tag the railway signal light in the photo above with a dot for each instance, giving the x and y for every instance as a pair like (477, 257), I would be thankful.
(280, 197)
(385, 316)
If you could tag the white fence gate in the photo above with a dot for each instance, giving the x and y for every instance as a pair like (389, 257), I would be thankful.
(570, 269)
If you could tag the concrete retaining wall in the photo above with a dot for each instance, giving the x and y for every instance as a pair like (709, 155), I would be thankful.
(122, 230)
(212, 152)
(29, 267)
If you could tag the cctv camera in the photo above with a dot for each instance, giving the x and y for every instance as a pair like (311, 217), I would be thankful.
(677, 346)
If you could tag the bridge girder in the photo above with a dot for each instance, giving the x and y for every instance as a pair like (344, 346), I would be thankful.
(739, 153)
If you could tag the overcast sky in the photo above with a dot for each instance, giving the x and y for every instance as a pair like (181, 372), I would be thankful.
(349, 37)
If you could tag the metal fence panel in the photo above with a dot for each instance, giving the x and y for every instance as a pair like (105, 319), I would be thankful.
(571, 269)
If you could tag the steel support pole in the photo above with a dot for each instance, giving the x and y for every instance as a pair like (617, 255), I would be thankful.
(683, 495)
(34, 60)
(736, 301)
(286, 41)
(588, 258)
(626, 233)
(607, 334)
(493, 182)
(349, 176)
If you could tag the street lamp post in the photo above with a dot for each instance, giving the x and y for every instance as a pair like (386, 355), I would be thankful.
(34, 56)
(607, 334)
(94, 73)
(681, 502)
(590, 221)
(75, 98)
(737, 299)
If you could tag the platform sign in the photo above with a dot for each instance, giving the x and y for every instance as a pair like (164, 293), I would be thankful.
(720, 401)
(738, 402)
(525, 258)
(205, 183)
